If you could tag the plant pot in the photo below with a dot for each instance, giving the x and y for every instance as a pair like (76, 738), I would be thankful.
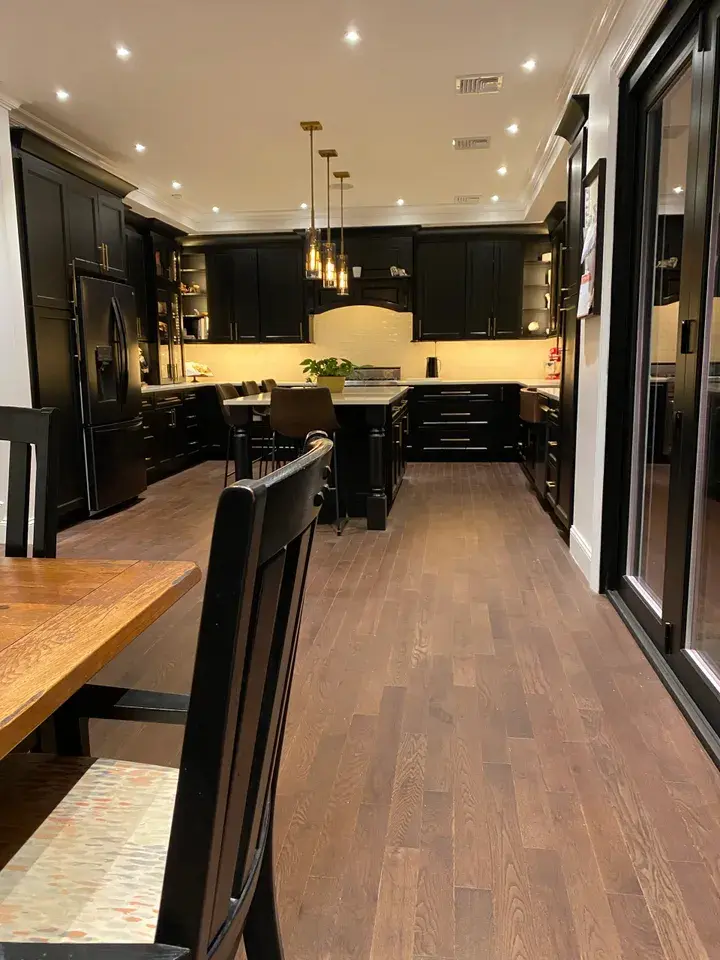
(334, 384)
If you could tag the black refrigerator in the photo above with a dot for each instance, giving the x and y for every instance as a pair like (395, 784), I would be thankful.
(110, 393)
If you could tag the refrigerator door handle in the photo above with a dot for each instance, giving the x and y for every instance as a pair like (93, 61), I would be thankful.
(122, 336)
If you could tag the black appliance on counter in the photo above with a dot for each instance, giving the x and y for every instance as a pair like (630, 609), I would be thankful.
(432, 367)
(109, 367)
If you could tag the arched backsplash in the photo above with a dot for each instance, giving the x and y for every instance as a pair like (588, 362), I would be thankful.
(373, 335)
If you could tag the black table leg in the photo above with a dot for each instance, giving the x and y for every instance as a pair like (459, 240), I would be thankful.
(243, 462)
(377, 501)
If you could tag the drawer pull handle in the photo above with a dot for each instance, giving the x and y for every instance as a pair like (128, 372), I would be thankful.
(551, 484)
(552, 443)
(454, 439)
(455, 414)
(455, 393)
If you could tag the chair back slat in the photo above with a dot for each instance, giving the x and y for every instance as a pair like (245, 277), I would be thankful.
(246, 648)
(28, 429)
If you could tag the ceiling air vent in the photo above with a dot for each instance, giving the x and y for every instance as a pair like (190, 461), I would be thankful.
(479, 83)
(471, 143)
(467, 198)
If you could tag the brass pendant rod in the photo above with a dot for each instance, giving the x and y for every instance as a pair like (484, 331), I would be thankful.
(312, 182)
(342, 217)
(328, 198)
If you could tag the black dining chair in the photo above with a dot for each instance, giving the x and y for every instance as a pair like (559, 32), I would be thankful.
(141, 862)
(293, 415)
(27, 429)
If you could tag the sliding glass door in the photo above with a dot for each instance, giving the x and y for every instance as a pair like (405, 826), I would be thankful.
(669, 558)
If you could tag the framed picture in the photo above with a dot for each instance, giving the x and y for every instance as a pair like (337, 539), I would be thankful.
(591, 258)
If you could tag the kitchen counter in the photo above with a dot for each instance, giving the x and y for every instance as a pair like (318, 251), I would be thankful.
(552, 393)
(174, 387)
(350, 397)
(440, 381)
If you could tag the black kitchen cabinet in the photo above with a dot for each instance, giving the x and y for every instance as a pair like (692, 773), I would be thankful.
(440, 308)
(136, 274)
(472, 421)
(480, 282)
(82, 225)
(47, 254)
(56, 385)
(508, 288)
(111, 233)
(245, 299)
(220, 291)
(256, 293)
(469, 286)
(171, 430)
(281, 293)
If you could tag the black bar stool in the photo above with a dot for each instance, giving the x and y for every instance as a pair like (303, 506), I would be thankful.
(269, 385)
(296, 413)
(231, 416)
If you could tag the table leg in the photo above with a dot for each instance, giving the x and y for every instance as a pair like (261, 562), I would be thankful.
(377, 501)
(243, 462)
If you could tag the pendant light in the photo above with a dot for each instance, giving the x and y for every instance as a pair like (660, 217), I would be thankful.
(313, 262)
(343, 273)
(329, 271)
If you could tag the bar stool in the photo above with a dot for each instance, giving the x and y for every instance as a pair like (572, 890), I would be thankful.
(232, 416)
(261, 418)
(269, 385)
(296, 413)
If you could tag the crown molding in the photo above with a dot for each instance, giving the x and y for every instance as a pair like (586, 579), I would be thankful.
(574, 81)
(7, 101)
(436, 215)
(635, 35)
(147, 205)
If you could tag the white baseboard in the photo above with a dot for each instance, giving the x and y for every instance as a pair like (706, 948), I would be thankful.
(581, 552)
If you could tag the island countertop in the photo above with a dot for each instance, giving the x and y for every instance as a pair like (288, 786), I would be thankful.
(350, 397)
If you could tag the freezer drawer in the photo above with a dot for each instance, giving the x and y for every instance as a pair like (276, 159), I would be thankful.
(115, 464)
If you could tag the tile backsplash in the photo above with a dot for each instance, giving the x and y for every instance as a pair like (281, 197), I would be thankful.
(372, 335)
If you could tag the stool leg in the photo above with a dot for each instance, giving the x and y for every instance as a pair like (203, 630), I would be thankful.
(274, 451)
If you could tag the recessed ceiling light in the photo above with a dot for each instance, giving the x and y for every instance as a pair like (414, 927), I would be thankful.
(502, 170)
(303, 206)
(494, 198)
(62, 95)
(512, 129)
(678, 189)
(122, 52)
(216, 209)
(352, 36)
(529, 65)
(140, 148)
(400, 202)
(176, 185)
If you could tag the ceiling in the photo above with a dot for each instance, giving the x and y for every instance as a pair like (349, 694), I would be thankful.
(216, 91)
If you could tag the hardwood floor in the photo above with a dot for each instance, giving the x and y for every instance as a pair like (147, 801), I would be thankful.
(479, 764)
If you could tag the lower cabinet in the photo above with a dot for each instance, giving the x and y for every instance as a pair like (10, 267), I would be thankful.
(539, 451)
(171, 430)
(464, 422)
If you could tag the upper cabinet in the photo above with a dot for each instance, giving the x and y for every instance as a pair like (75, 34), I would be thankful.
(250, 293)
(66, 222)
(440, 283)
(470, 285)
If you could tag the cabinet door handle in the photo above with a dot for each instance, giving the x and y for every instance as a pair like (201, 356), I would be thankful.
(552, 443)
(101, 248)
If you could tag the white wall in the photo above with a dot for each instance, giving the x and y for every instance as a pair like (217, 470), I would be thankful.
(632, 23)
(14, 365)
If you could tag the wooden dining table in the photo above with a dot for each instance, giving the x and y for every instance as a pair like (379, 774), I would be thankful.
(62, 620)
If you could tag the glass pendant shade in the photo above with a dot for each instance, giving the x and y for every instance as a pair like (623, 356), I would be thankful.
(313, 255)
(343, 275)
(329, 271)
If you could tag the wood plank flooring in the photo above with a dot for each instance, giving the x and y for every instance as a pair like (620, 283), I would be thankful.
(479, 764)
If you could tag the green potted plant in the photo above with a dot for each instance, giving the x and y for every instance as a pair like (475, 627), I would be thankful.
(330, 372)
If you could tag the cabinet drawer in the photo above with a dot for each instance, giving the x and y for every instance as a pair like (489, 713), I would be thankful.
(168, 400)
(551, 482)
(482, 437)
(456, 411)
(146, 403)
(451, 391)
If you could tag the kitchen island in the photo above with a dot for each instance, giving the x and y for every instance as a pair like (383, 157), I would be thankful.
(371, 445)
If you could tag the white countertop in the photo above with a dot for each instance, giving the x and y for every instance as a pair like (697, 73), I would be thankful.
(350, 397)
(552, 392)
(440, 381)
(172, 387)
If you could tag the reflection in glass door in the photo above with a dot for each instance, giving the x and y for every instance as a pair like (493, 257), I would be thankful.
(668, 125)
(703, 624)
